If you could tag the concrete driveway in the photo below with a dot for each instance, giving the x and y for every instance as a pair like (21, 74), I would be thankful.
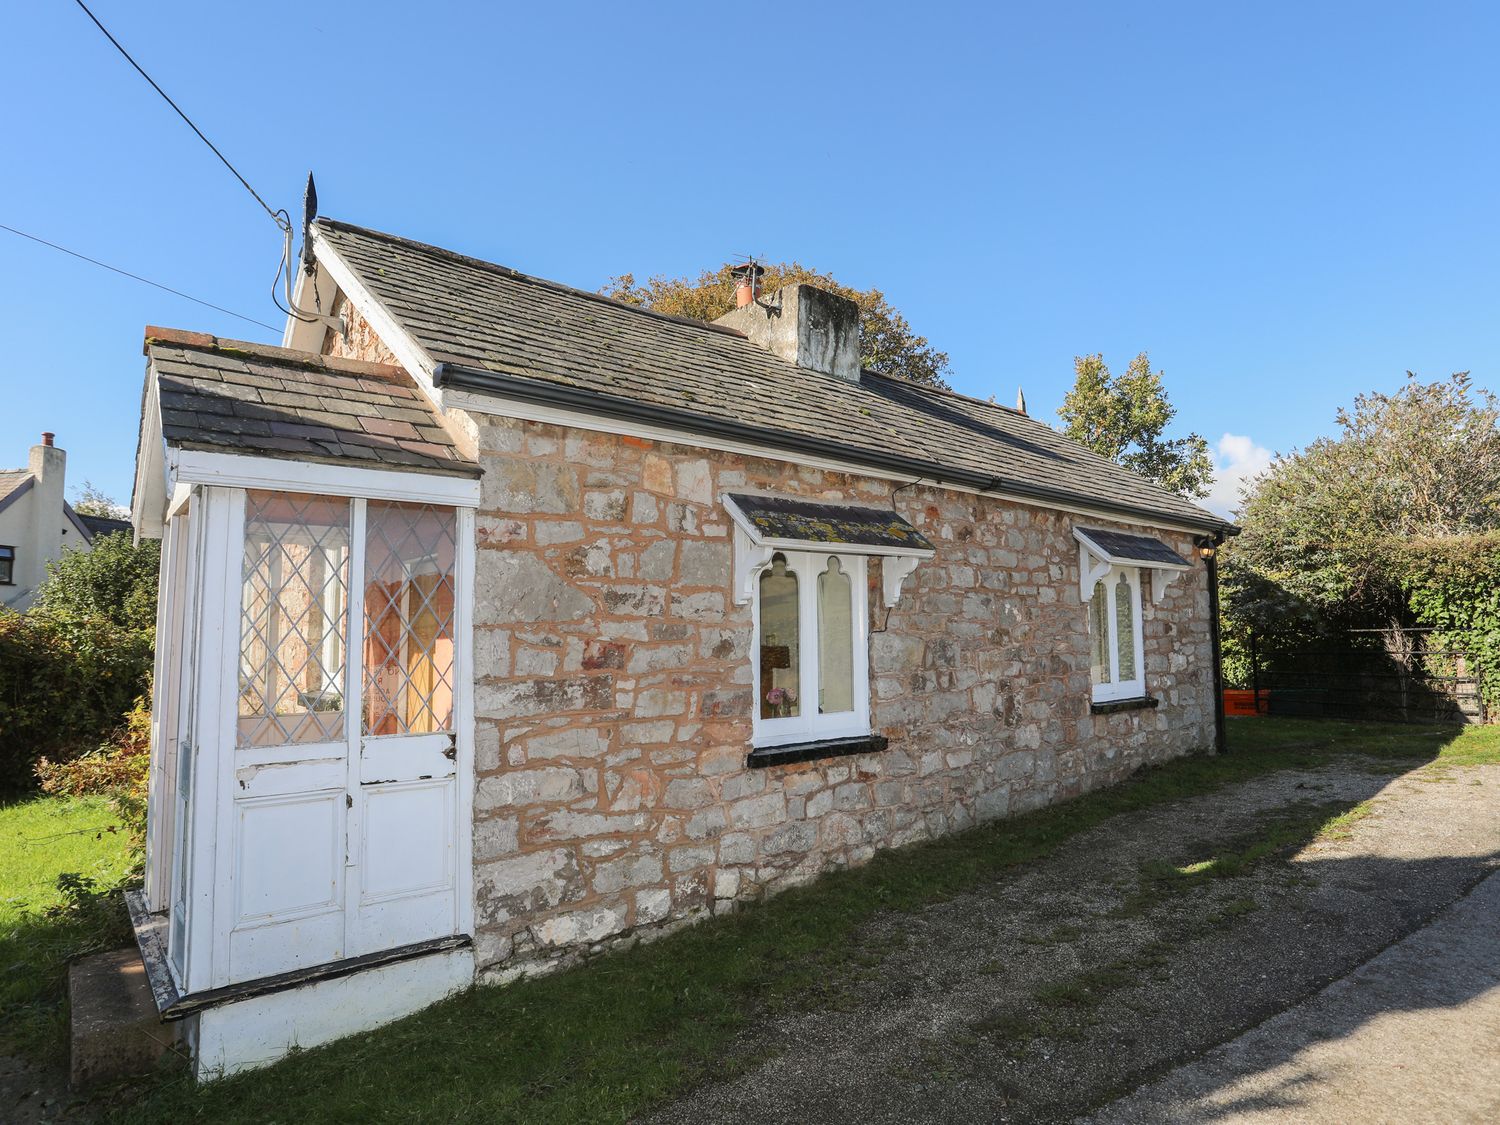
(1143, 944)
(1412, 1035)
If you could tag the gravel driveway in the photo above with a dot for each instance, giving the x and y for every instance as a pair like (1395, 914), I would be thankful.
(1135, 947)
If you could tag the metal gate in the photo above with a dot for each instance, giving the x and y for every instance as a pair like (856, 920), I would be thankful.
(1408, 675)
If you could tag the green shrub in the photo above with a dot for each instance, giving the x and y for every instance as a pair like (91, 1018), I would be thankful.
(1453, 585)
(115, 580)
(65, 685)
(117, 771)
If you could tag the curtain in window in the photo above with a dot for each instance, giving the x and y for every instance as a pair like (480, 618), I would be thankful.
(1125, 628)
(780, 647)
(1099, 634)
(835, 641)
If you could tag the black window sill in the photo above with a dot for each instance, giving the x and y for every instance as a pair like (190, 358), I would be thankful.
(812, 751)
(1114, 706)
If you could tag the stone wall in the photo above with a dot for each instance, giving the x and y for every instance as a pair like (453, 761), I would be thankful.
(613, 689)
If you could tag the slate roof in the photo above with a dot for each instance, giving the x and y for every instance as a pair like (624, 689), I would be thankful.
(102, 525)
(1132, 548)
(478, 315)
(779, 517)
(229, 396)
(12, 482)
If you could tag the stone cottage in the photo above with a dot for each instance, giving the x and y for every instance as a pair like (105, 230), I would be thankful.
(503, 622)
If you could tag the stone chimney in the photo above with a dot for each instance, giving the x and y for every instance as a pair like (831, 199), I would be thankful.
(805, 325)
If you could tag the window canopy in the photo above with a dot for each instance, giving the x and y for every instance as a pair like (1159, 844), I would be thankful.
(1099, 550)
(766, 524)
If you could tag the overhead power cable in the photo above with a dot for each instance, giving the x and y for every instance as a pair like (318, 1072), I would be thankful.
(283, 224)
(138, 277)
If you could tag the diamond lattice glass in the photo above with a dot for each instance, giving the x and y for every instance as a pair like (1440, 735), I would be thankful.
(293, 610)
(409, 587)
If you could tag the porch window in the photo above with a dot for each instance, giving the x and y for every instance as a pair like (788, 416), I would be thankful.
(409, 604)
(811, 676)
(293, 609)
(1115, 664)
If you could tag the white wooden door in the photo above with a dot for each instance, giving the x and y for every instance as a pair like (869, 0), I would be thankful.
(349, 834)
(405, 814)
(297, 686)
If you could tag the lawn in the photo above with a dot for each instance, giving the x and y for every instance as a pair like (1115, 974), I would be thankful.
(41, 925)
(608, 1040)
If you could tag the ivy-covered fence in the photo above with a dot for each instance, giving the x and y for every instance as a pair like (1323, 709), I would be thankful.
(1418, 637)
(1453, 586)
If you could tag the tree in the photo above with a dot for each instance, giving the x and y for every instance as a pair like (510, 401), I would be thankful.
(1123, 418)
(93, 501)
(116, 581)
(1326, 526)
(887, 344)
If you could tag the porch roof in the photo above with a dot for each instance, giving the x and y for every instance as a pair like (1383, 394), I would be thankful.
(1122, 548)
(783, 518)
(230, 396)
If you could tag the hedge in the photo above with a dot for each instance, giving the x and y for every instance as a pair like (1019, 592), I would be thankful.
(65, 685)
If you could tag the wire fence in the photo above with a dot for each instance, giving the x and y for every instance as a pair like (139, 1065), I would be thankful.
(1411, 675)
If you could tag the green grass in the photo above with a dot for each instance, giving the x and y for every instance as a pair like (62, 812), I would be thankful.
(41, 927)
(609, 1040)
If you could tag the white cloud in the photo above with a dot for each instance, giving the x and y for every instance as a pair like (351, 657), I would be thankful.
(1236, 460)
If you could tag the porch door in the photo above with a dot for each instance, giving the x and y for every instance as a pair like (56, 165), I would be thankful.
(405, 808)
(298, 693)
(345, 825)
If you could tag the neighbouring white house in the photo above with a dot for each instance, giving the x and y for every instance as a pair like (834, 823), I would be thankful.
(37, 524)
(502, 623)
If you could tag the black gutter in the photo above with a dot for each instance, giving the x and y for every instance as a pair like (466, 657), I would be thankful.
(564, 397)
(1221, 744)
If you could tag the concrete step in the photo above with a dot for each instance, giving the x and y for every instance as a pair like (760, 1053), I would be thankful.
(115, 1032)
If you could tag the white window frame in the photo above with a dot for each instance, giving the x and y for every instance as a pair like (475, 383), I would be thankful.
(1115, 690)
(810, 726)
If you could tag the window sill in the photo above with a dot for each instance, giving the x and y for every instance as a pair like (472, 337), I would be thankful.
(793, 752)
(1113, 706)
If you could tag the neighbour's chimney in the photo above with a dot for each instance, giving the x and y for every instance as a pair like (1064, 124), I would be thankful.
(805, 325)
(747, 283)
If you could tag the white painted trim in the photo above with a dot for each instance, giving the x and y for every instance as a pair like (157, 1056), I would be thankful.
(807, 565)
(148, 497)
(255, 1032)
(1091, 568)
(419, 365)
(354, 717)
(1122, 560)
(893, 573)
(451, 399)
(1136, 687)
(302, 335)
(753, 551)
(1094, 562)
(211, 887)
(165, 704)
(750, 559)
(236, 471)
(464, 673)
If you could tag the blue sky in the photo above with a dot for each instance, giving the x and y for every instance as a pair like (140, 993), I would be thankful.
(1285, 204)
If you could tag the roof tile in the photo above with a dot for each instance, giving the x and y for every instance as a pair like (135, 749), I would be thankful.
(482, 316)
(240, 397)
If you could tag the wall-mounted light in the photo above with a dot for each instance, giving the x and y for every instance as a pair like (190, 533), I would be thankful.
(1206, 549)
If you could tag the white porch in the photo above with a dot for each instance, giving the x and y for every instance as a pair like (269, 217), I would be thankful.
(308, 846)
